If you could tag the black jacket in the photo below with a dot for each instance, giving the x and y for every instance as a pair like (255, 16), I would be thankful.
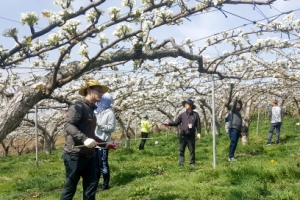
(184, 119)
(80, 124)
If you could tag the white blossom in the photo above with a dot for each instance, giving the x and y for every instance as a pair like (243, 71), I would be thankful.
(60, 2)
(103, 38)
(288, 19)
(52, 16)
(92, 14)
(29, 18)
(114, 13)
(83, 50)
(147, 25)
(122, 30)
(162, 14)
(54, 39)
(129, 3)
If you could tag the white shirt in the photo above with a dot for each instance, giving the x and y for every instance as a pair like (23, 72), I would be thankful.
(276, 114)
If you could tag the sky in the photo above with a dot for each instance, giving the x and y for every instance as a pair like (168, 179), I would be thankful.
(199, 26)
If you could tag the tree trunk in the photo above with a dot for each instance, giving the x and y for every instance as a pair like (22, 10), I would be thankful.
(205, 123)
(5, 148)
(17, 108)
(217, 123)
(124, 132)
(246, 123)
(47, 144)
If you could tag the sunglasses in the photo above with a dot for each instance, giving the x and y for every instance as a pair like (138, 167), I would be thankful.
(98, 90)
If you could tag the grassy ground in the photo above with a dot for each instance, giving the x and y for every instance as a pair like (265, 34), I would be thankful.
(262, 172)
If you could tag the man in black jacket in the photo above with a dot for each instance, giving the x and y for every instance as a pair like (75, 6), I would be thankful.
(235, 127)
(80, 127)
(190, 121)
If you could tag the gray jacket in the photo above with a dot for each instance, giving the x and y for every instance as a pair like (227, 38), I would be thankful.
(80, 124)
(235, 118)
(106, 124)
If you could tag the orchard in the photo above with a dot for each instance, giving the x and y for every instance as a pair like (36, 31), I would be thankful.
(121, 45)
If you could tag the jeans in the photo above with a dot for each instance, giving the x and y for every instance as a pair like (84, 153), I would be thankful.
(77, 166)
(183, 142)
(234, 136)
(102, 166)
(272, 127)
(143, 142)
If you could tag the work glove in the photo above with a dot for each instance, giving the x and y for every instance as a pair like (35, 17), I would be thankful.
(90, 143)
(198, 136)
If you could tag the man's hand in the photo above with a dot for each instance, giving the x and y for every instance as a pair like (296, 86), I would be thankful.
(165, 124)
(90, 143)
(199, 136)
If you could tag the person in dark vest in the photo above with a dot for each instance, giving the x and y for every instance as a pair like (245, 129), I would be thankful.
(190, 122)
(80, 127)
(234, 127)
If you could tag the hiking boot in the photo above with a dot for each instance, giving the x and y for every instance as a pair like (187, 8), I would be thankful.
(268, 143)
(232, 159)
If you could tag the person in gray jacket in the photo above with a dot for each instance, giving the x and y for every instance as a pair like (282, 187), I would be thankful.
(106, 123)
(235, 127)
(80, 131)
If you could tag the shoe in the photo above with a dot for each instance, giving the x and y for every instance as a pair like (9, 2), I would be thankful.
(232, 159)
(192, 165)
(268, 144)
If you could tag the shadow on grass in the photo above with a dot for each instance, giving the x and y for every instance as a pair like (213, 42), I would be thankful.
(124, 178)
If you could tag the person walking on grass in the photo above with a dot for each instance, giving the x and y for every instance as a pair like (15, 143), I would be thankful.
(190, 122)
(275, 113)
(80, 127)
(106, 124)
(234, 127)
(145, 124)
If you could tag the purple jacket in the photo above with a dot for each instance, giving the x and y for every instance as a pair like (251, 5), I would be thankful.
(186, 118)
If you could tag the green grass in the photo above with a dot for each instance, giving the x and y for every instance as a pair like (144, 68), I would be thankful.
(154, 173)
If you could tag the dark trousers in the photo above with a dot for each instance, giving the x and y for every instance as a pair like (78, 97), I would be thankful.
(183, 142)
(77, 166)
(102, 167)
(234, 136)
(143, 142)
(273, 126)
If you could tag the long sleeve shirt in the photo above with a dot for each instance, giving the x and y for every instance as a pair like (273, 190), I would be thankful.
(106, 124)
(275, 112)
(186, 118)
(145, 124)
